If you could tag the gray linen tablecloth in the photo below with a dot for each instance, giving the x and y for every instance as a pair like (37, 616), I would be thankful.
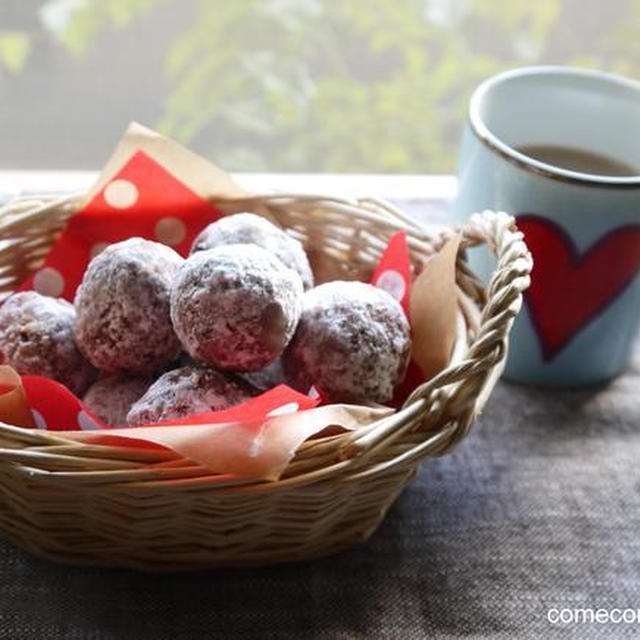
(538, 509)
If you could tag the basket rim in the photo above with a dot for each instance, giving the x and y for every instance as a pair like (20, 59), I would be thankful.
(436, 416)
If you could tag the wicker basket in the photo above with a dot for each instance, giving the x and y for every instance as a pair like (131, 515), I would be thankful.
(150, 509)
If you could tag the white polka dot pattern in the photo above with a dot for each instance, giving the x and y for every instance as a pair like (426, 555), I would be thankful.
(291, 407)
(393, 283)
(38, 418)
(49, 282)
(86, 422)
(121, 194)
(171, 231)
(97, 248)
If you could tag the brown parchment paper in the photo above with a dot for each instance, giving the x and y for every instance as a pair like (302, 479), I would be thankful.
(433, 310)
(14, 408)
(249, 450)
(200, 175)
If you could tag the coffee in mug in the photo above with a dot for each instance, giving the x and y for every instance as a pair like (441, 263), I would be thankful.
(579, 160)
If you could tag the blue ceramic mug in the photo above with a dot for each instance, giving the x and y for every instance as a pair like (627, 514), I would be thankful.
(559, 148)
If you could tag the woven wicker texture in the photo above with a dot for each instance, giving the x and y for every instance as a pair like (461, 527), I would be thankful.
(151, 509)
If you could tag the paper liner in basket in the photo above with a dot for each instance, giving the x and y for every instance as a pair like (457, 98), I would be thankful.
(256, 439)
(14, 405)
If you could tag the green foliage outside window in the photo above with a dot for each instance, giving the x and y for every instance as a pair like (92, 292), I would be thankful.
(349, 85)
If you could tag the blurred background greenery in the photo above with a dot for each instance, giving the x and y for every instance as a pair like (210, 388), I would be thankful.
(280, 85)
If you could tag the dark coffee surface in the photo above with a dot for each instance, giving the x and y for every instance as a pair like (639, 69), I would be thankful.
(580, 160)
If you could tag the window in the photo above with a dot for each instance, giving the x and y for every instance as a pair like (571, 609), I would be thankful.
(280, 85)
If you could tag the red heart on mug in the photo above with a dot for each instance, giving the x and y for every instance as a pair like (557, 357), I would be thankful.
(569, 289)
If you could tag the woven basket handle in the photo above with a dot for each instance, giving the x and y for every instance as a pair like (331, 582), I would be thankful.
(444, 407)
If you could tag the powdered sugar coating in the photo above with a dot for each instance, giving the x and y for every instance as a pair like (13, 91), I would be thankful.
(249, 228)
(36, 338)
(111, 397)
(123, 322)
(187, 391)
(235, 307)
(352, 343)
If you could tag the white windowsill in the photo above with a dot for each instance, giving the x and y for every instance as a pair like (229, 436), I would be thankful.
(395, 187)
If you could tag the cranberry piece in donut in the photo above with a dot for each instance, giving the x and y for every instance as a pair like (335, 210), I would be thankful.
(188, 391)
(249, 228)
(235, 307)
(352, 343)
(123, 322)
(36, 338)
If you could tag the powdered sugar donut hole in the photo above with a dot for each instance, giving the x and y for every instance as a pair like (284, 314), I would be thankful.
(235, 307)
(249, 228)
(36, 338)
(111, 397)
(123, 320)
(352, 343)
(188, 391)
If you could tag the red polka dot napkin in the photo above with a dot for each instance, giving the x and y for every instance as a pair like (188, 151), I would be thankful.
(393, 273)
(67, 413)
(142, 199)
